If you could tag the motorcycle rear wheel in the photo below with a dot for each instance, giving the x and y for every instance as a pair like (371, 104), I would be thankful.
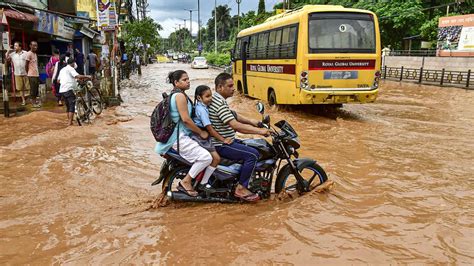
(313, 173)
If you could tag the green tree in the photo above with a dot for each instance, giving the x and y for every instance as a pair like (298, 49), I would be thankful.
(138, 33)
(261, 7)
(396, 19)
(181, 40)
(224, 23)
(248, 20)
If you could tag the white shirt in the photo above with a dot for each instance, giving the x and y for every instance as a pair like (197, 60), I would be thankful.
(137, 59)
(19, 63)
(56, 67)
(67, 78)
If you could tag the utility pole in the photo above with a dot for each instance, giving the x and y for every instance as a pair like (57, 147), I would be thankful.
(144, 8)
(184, 19)
(137, 3)
(238, 14)
(215, 26)
(199, 28)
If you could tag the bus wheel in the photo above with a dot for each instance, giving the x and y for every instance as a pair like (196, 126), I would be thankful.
(239, 88)
(272, 99)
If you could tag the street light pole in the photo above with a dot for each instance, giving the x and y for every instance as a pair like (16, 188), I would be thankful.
(138, 12)
(238, 14)
(199, 28)
(215, 26)
(191, 20)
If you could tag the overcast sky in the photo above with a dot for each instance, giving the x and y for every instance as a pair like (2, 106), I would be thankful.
(170, 13)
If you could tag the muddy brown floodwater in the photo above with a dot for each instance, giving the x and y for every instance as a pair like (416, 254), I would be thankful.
(403, 171)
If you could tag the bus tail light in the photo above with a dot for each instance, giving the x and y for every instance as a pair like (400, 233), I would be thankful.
(304, 79)
(377, 77)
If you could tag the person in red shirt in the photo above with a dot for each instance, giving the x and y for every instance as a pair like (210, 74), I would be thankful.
(33, 73)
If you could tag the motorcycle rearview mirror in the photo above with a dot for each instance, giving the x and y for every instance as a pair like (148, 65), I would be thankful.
(260, 108)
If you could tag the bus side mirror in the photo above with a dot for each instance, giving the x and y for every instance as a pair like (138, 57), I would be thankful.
(232, 58)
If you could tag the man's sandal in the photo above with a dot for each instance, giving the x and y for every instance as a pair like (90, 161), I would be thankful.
(250, 198)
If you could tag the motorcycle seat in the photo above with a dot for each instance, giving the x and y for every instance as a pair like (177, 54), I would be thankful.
(233, 169)
(174, 154)
(227, 162)
(224, 162)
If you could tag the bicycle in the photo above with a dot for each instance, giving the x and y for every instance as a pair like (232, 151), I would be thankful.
(88, 102)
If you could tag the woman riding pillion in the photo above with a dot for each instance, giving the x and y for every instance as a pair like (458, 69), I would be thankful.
(180, 111)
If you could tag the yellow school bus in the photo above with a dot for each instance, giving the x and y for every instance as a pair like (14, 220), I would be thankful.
(319, 54)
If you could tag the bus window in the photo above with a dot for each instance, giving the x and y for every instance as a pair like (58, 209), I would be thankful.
(285, 43)
(341, 32)
(277, 43)
(237, 51)
(262, 45)
(292, 42)
(285, 36)
(271, 44)
(252, 47)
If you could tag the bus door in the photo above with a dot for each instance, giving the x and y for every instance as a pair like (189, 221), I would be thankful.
(245, 44)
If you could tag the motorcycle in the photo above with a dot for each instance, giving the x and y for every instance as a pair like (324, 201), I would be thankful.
(298, 174)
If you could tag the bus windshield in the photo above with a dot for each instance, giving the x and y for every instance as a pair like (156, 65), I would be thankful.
(341, 32)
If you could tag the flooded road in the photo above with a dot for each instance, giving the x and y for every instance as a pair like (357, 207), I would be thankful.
(403, 172)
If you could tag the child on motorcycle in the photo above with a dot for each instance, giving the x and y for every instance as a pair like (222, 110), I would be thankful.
(202, 99)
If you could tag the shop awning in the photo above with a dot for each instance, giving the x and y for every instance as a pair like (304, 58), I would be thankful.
(9, 13)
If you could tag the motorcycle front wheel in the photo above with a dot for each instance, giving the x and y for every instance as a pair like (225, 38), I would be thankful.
(312, 172)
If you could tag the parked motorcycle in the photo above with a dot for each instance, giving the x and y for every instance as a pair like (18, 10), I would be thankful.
(298, 174)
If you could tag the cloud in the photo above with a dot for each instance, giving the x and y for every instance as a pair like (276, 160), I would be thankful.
(170, 13)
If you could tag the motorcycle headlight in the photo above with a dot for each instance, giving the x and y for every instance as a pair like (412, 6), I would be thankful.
(291, 150)
(293, 142)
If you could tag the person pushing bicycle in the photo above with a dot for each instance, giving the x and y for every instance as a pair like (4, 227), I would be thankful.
(67, 80)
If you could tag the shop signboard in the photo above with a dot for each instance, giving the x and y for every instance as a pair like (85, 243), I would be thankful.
(106, 15)
(67, 31)
(54, 25)
(3, 17)
(33, 3)
(46, 21)
(5, 40)
(456, 36)
(87, 32)
(4, 35)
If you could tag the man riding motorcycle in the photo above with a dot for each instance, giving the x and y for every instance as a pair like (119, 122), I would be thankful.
(226, 123)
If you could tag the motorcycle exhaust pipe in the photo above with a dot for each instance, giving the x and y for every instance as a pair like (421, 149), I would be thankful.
(180, 196)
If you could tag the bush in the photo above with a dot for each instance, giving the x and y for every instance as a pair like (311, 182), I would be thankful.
(218, 59)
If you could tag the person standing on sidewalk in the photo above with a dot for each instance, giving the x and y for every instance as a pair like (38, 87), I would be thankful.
(33, 74)
(137, 61)
(18, 58)
(70, 50)
(126, 66)
(92, 59)
(57, 68)
(79, 57)
(50, 69)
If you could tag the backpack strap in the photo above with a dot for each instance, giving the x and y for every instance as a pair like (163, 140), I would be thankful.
(179, 119)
